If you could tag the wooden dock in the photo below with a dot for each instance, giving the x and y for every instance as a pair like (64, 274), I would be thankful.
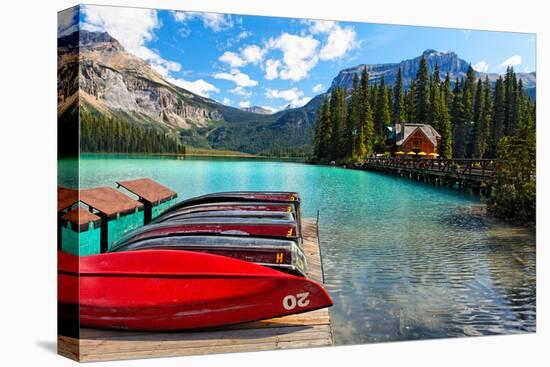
(477, 174)
(311, 329)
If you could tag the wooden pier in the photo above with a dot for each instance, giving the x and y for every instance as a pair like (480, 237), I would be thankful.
(477, 174)
(311, 329)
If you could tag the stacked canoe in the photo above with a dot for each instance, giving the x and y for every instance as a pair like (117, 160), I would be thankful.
(213, 260)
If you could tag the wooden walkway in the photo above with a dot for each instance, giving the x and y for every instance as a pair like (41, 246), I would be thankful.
(474, 173)
(311, 329)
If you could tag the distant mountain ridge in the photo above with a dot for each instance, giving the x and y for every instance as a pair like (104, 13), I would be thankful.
(447, 61)
(259, 110)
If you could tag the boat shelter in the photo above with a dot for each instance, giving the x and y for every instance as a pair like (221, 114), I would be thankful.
(80, 232)
(66, 199)
(119, 212)
(154, 196)
(91, 220)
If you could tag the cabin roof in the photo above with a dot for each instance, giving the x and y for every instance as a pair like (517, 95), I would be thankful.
(148, 190)
(66, 198)
(80, 215)
(108, 200)
(426, 129)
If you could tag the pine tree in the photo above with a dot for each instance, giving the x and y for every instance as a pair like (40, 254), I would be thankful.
(476, 134)
(434, 94)
(514, 191)
(498, 117)
(485, 118)
(444, 121)
(338, 116)
(367, 121)
(398, 98)
(410, 102)
(324, 135)
(382, 115)
(447, 92)
(368, 128)
(458, 122)
(422, 97)
(353, 122)
(510, 86)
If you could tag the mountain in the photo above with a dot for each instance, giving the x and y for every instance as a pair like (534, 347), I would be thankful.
(447, 61)
(112, 82)
(259, 110)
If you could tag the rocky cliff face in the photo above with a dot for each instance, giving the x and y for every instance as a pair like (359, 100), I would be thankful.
(113, 81)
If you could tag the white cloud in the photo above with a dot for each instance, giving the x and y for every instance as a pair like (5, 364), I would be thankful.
(272, 69)
(240, 91)
(340, 41)
(253, 54)
(244, 104)
(243, 35)
(181, 16)
(321, 26)
(481, 66)
(240, 79)
(67, 21)
(317, 88)
(299, 55)
(233, 59)
(216, 22)
(200, 87)
(511, 61)
(132, 27)
(294, 96)
(226, 101)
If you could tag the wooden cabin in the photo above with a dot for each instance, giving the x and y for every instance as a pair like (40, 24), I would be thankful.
(407, 137)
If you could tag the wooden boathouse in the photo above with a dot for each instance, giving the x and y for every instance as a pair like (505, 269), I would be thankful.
(91, 220)
(155, 197)
(310, 329)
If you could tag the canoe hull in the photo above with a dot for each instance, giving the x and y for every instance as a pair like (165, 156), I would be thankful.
(240, 228)
(283, 255)
(162, 290)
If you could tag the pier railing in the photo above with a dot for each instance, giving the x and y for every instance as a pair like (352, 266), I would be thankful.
(477, 169)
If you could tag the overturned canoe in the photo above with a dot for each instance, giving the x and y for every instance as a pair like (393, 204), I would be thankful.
(229, 214)
(283, 255)
(161, 290)
(280, 197)
(228, 206)
(238, 227)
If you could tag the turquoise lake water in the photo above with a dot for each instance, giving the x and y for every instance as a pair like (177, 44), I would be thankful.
(403, 260)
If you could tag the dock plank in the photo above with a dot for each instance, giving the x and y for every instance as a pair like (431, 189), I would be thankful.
(310, 329)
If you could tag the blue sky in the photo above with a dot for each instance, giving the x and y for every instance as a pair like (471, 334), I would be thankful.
(272, 62)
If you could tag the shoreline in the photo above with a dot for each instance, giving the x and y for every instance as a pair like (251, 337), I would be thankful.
(200, 154)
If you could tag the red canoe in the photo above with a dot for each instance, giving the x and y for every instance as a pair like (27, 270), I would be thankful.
(225, 206)
(227, 227)
(161, 290)
(274, 197)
